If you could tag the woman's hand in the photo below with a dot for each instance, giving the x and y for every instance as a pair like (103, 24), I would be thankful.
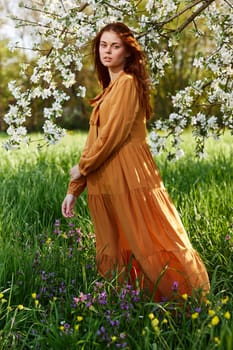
(68, 206)
(75, 173)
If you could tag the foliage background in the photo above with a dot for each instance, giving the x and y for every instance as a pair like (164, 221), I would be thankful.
(77, 110)
(47, 261)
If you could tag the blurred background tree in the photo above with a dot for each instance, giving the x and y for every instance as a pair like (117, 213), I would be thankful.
(76, 113)
(77, 110)
(178, 75)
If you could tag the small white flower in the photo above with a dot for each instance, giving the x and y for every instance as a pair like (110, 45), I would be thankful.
(179, 154)
(57, 43)
(12, 45)
(211, 122)
(41, 61)
(198, 62)
(47, 76)
(69, 80)
(81, 91)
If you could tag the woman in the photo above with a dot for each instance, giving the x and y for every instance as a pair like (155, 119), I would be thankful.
(139, 234)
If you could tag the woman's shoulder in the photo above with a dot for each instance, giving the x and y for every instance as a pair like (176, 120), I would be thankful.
(126, 77)
(125, 80)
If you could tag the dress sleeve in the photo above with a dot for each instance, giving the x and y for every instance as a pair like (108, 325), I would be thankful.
(76, 187)
(122, 113)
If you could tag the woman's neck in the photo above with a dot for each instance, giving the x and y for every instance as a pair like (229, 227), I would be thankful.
(114, 75)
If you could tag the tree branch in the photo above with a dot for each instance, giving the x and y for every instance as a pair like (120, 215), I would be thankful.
(193, 16)
(63, 6)
(40, 10)
(186, 8)
(27, 22)
(31, 49)
(170, 19)
(79, 9)
(229, 3)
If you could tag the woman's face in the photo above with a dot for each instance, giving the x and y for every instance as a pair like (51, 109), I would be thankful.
(112, 51)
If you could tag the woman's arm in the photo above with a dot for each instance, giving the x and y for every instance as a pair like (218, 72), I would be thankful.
(77, 186)
(77, 182)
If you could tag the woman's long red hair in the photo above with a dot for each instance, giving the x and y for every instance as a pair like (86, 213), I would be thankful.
(135, 63)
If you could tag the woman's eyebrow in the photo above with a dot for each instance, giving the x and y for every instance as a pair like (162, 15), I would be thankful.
(115, 42)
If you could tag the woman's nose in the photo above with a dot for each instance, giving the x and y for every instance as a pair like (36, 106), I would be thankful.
(108, 49)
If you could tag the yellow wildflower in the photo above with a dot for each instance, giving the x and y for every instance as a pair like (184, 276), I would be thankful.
(217, 340)
(185, 296)
(225, 300)
(36, 302)
(33, 295)
(61, 328)
(195, 315)
(151, 316)
(114, 338)
(164, 320)
(54, 298)
(211, 312)
(79, 318)
(64, 235)
(215, 320)
(227, 315)
(207, 302)
(155, 322)
(76, 327)
(48, 241)
(20, 307)
(156, 330)
(1, 295)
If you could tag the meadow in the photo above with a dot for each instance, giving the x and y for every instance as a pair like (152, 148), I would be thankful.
(51, 296)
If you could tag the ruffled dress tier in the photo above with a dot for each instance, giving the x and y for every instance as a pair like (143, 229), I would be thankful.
(139, 234)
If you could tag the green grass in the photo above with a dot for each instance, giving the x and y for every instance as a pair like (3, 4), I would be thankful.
(45, 263)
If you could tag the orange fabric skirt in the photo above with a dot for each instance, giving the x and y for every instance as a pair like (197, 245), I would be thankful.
(139, 234)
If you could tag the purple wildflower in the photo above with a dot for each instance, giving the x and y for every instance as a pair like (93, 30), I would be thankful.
(198, 309)
(102, 298)
(114, 323)
(122, 335)
(175, 286)
(57, 223)
(89, 303)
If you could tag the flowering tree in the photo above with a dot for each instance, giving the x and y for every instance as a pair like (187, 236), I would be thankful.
(62, 36)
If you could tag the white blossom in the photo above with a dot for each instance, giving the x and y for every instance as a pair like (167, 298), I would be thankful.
(198, 62)
(212, 122)
(35, 77)
(69, 79)
(41, 61)
(68, 26)
(52, 132)
(82, 91)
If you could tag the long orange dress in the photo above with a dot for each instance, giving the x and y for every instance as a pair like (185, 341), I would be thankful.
(138, 230)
